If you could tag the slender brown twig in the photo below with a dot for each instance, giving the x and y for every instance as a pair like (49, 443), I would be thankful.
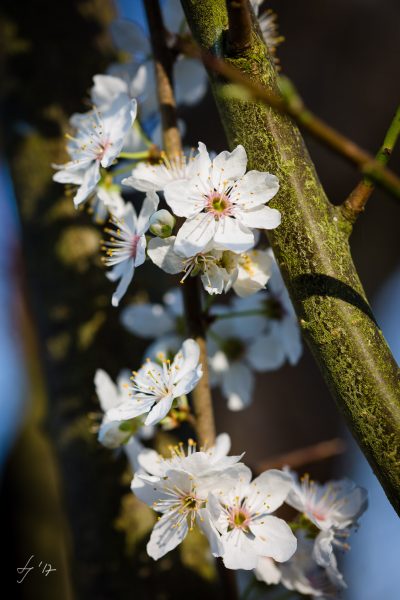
(355, 203)
(163, 59)
(293, 106)
(303, 456)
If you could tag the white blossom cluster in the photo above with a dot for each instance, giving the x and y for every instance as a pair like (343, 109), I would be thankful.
(213, 210)
(208, 489)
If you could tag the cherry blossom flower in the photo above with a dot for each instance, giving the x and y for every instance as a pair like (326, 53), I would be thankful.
(242, 515)
(97, 143)
(178, 488)
(126, 247)
(114, 434)
(148, 176)
(336, 504)
(181, 498)
(218, 269)
(254, 271)
(234, 351)
(222, 203)
(333, 508)
(192, 459)
(301, 573)
(155, 387)
(165, 322)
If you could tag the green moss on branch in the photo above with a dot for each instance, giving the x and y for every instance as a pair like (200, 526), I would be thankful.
(312, 250)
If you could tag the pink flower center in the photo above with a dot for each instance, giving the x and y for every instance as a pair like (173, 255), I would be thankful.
(239, 518)
(134, 245)
(219, 205)
(102, 149)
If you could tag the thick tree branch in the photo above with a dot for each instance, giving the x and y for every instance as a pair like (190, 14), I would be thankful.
(312, 250)
(163, 60)
(355, 203)
(291, 104)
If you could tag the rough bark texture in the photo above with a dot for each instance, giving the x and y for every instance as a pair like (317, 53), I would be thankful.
(313, 253)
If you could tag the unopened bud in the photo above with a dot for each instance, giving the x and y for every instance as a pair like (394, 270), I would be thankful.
(162, 223)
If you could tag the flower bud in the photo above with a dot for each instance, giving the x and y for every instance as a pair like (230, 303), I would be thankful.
(162, 223)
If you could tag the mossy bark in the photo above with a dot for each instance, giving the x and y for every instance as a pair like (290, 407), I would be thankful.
(312, 249)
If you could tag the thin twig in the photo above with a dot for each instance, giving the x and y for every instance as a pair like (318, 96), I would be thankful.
(295, 108)
(304, 456)
(163, 59)
(355, 203)
(163, 64)
(240, 26)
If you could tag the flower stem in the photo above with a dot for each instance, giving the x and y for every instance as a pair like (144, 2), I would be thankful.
(163, 61)
(355, 203)
(135, 155)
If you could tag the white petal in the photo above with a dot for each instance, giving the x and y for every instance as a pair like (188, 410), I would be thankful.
(187, 359)
(195, 234)
(230, 234)
(291, 339)
(147, 320)
(129, 270)
(149, 206)
(183, 198)
(228, 166)
(261, 217)
(106, 88)
(237, 386)
(161, 252)
(274, 538)
(267, 571)
(255, 188)
(165, 537)
(106, 390)
(239, 551)
(91, 178)
(273, 487)
(146, 488)
(187, 383)
(159, 411)
(130, 409)
(111, 436)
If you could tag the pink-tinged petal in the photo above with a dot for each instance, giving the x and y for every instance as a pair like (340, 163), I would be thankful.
(230, 234)
(195, 234)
